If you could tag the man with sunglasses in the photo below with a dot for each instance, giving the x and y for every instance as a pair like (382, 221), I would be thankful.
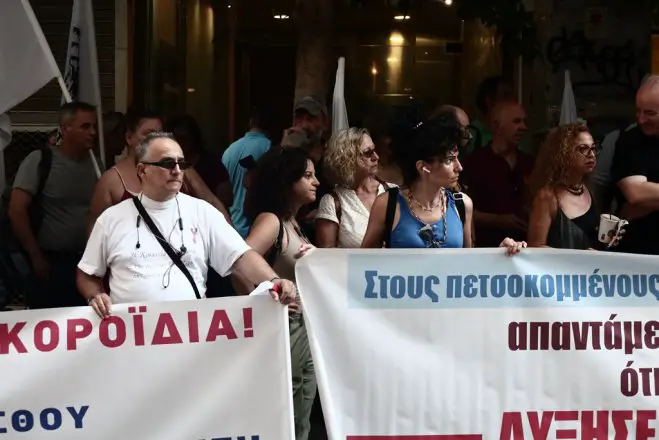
(158, 246)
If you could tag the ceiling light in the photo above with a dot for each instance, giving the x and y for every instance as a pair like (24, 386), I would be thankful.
(402, 17)
(448, 2)
(281, 17)
(374, 71)
(396, 38)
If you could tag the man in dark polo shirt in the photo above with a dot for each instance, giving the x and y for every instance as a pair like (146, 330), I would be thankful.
(495, 178)
(636, 170)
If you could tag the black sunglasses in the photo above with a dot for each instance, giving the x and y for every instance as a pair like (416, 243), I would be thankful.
(170, 164)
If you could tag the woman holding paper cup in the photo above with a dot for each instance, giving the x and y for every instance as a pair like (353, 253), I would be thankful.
(563, 214)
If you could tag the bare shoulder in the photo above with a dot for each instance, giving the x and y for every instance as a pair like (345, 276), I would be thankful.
(380, 203)
(110, 182)
(546, 195)
(266, 224)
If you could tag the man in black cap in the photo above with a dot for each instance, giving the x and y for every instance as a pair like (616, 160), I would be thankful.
(311, 114)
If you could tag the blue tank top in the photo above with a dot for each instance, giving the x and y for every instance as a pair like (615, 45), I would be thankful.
(406, 233)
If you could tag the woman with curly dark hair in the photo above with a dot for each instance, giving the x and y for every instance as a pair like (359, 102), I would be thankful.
(285, 181)
(426, 213)
(562, 213)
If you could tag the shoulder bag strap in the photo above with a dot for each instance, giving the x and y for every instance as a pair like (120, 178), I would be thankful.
(384, 184)
(275, 250)
(337, 204)
(390, 214)
(458, 197)
(175, 256)
(45, 164)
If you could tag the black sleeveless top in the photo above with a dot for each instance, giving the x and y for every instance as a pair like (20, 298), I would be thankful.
(576, 233)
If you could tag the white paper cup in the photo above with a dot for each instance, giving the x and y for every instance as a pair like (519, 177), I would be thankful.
(610, 227)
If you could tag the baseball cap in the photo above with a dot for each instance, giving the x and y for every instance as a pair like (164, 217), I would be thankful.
(310, 104)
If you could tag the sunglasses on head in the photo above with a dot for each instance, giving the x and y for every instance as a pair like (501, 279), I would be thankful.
(170, 164)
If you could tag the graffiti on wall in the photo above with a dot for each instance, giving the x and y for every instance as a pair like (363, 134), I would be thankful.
(621, 66)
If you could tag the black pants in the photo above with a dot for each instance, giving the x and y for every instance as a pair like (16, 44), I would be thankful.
(60, 289)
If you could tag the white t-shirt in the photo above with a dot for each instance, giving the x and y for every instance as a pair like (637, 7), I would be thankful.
(354, 216)
(147, 273)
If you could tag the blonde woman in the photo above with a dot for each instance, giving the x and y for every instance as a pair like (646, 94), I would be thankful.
(351, 164)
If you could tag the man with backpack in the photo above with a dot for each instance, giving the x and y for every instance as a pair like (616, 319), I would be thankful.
(49, 206)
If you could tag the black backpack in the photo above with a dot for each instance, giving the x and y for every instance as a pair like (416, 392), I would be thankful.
(35, 211)
(391, 212)
(15, 268)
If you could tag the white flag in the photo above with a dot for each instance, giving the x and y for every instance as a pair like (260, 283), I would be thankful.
(81, 68)
(568, 106)
(339, 112)
(26, 62)
(5, 139)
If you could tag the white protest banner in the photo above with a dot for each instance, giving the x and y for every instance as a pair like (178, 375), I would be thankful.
(209, 369)
(471, 344)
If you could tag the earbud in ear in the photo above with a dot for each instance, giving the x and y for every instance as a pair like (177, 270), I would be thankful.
(426, 170)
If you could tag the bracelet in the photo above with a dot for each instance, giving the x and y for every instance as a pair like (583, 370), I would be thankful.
(274, 279)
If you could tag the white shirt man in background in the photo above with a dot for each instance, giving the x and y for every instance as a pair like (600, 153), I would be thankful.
(140, 269)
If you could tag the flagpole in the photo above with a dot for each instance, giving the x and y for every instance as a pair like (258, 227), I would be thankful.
(67, 98)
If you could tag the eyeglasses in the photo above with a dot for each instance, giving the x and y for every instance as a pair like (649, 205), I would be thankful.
(587, 150)
(170, 164)
(369, 154)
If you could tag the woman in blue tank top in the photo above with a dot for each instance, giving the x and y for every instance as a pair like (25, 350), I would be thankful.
(427, 214)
